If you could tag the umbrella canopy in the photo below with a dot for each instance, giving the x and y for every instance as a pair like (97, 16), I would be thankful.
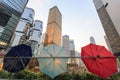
(16, 64)
(53, 60)
(99, 60)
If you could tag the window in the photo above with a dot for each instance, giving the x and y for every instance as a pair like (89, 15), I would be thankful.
(4, 18)
(30, 15)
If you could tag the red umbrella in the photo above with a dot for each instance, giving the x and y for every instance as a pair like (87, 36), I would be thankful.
(99, 60)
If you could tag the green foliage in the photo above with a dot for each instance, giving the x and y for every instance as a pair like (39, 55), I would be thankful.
(3, 74)
(26, 74)
(85, 76)
(115, 77)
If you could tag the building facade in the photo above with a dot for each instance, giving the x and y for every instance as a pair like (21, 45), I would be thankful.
(112, 8)
(108, 44)
(54, 27)
(109, 28)
(65, 44)
(24, 27)
(92, 40)
(10, 13)
(37, 31)
(35, 38)
(72, 52)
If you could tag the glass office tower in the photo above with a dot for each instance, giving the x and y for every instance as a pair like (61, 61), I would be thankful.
(10, 13)
(24, 26)
(35, 38)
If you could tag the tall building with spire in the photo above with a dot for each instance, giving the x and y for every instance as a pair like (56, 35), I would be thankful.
(54, 27)
(109, 28)
(10, 13)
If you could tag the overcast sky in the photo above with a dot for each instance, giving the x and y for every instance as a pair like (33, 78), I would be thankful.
(79, 19)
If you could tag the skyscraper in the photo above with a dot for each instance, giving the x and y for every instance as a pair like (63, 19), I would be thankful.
(112, 8)
(92, 40)
(109, 28)
(37, 31)
(54, 27)
(36, 36)
(24, 26)
(10, 13)
(108, 44)
(72, 52)
(66, 45)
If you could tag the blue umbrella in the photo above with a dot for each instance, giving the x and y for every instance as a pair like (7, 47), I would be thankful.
(12, 61)
(53, 60)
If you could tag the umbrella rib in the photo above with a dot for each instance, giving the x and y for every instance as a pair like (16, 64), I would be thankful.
(97, 66)
(86, 53)
(22, 62)
(105, 66)
(54, 50)
(99, 50)
(49, 53)
(92, 62)
(46, 65)
(60, 51)
(91, 50)
(61, 67)
(14, 63)
(21, 59)
(53, 68)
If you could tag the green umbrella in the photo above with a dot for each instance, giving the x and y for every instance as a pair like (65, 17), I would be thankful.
(53, 60)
